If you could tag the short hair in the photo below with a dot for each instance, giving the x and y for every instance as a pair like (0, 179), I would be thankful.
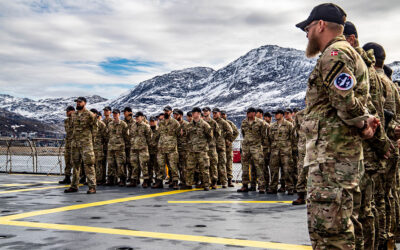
(338, 28)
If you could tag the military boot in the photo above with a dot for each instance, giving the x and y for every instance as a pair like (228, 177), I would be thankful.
(175, 185)
(230, 184)
(300, 199)
(206, 189)
(282, 189)
(253, 187)
(91, 191)
(133, 183)
(290, 192)
(199, 185)
(71, 190)
(67, 180)
(244, 189)
(213, 185)
(110, 181)
(122, 182)
(158, 184)
(271, 191)
(145, 184)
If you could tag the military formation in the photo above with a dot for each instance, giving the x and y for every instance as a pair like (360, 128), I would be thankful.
(340, 154)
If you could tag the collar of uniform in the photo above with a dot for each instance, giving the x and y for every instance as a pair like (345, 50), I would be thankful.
(380, 70)
(339, 38)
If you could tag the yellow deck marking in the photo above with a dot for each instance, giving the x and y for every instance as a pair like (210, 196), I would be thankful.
(166, 236)
(27, 184)
(228, 202)
(33, 189)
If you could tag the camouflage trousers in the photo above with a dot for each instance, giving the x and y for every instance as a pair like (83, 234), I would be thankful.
(128, 166)
(391, 198)
(139, 159)
(83, 154)
(281, 158)
(104, 167)
(152, 165)
(98, 152)
(222, 177)
(302, 173)
(330, 202)
(295, 160)
(182, 164)
(116, 163)
(213, 155)
(68, 161)
(201, 161)
(172, 159)
(253, 156)
(380, 205)
(229, 162)
(267, 174)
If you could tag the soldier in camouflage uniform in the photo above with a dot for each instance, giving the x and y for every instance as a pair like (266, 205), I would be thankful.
(226, 136)
(152, 165)
(253, 132)
(67, 148)
(189, 116)
(212, 147)
(229, 149)
(129, 121)
(302, 171)
(335, 121)
(199, 134)
(182, 144)
(99, 137)
(140, 134)
(268, 117)
(118, 136)
(281, 137)
(107, 119)
(167, 137)
(83, 125)
(266, 153)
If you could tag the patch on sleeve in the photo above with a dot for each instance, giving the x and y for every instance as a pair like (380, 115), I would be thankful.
(344, 82)
(334, 53)
(334, 71)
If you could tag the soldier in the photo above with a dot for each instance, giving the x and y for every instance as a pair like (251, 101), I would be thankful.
(189, 117)
(152, 165)
(107, 119)
(302, 171)
(288, 115)
(253, 131)
(212, 147)
(226, 136)
(281, 138)
(67, 148)
(83, 123)
(199, 134)
(167, 137)
(229, 149)
(118, 136)
(335, 121)
(129, 121)
(182, 144)
(99, 137)
(140, 134)
(268, 118)
(266, 151)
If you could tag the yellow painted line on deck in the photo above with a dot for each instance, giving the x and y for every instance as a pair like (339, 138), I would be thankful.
(33, 189)
(27, 184)
(228, 202)
(157, 235)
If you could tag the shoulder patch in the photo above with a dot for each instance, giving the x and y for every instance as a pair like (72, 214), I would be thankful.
(334, 53)
(334, 71)
(344, 82)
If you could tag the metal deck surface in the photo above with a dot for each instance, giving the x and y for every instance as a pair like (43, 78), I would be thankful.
(36, 214)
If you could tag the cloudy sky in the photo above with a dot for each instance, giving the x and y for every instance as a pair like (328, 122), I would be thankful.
(82, 47)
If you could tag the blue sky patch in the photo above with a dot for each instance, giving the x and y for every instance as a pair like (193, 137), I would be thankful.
(123, 66)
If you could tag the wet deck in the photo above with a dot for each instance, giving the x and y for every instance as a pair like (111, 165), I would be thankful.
(36, 214)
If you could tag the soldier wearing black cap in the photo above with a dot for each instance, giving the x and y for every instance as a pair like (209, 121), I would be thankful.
(253, 133)
(107, 119)
(229, 148)
(268, 117)
(67, 147)
(98, 145)
(182, 144)
(212, 147)
(266, 152)
(189, 116)
(153, 165)
(334, 108)
(288, 115)
(127, 111)
(83, 123)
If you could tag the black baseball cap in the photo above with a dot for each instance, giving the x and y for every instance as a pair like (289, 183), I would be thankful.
(206, 109)
(216, 110)
(80, 99)
(327, 12)
(93, 111)
(379, 51)
(350, 29)
(189, 114)
(139, 114)
(116, 111)
(260, 111)
(178, 112)
(152, 118)
(167, 108)
(196, 109)
(251, 110)
(127, 109)
(107, 108)
(288, 111)
(279, 111)
(267, 114)
(223, 112)
(70, 108)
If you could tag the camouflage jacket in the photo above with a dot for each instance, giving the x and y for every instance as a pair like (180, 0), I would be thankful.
(100, 136)
(235, 134)
(182, 138)
(140, 134)
(253, 133)
(299, 133)
(153, 142)
(68, 132)
(167, 135)
(107, 121)
(118, 135)
(83, 124)
(336, 98)
(199, 135)
(281, 135)
(130, 123)
(216, 132)
(266, 142)
(226, 134)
